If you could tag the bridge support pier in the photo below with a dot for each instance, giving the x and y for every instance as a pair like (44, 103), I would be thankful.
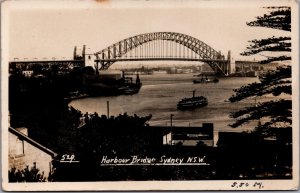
(230, 63)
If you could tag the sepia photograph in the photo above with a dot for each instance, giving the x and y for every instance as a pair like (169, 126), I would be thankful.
(149, 95)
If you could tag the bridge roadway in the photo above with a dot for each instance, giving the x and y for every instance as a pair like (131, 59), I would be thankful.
(157, 59)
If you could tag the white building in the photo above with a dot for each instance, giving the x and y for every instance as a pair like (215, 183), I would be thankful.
(24, 151)
(190, 136)
(27, 73)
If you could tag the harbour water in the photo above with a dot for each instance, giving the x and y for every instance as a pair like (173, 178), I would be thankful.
(161, 92)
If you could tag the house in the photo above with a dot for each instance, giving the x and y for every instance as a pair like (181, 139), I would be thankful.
(24, 151)
(190, 136)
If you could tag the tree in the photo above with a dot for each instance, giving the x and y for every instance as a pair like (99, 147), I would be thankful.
(279, 18)
(26, 175)
(276, 114)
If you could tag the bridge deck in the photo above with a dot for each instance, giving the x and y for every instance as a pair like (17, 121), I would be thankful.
(158, 59)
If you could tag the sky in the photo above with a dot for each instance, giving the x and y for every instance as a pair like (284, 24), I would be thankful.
(49, 31)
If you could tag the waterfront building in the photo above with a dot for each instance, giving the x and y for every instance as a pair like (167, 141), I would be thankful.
(190, 136)
(159, 72)
(110, 74)
(246, 66)
(27, 73)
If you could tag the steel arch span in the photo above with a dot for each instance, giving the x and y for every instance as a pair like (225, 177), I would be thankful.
(205, 53)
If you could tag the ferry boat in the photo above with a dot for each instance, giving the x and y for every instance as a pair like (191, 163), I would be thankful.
(192, 103)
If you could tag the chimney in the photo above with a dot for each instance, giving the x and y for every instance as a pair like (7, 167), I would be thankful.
(75, 53)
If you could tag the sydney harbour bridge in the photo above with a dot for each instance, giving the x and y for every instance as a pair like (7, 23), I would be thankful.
(156, 46)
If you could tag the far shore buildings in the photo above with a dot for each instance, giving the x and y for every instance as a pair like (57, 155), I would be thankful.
(246, 66)
(25, 152)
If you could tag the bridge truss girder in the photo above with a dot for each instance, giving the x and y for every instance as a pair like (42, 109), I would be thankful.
(110, 55)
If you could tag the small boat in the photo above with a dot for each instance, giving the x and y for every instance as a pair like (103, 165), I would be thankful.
(206, 80)
(130, 88)
(76, 95)
(130, 91)
(227, 101)
(192, 103)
